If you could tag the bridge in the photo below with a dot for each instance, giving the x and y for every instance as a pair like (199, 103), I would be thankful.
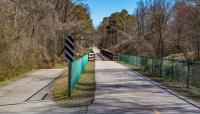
(122, 90)
(119, 90)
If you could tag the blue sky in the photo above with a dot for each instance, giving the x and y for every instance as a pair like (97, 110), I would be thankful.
(103, 8)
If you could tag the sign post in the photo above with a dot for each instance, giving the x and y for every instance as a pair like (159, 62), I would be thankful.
(69, 79)
(69, 55)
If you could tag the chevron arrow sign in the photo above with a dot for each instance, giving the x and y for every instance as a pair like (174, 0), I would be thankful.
(69, 49)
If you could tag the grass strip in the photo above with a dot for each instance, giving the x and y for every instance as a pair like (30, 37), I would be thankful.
(82, 95)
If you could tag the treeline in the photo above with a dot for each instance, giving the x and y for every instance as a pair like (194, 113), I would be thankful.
(32, 33)
(161, 28)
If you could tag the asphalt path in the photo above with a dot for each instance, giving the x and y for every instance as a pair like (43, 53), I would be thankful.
(29, 95)
(122, 91)
(24, 89)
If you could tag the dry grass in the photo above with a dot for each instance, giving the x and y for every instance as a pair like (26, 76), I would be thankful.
(15, 77)
(60, 66)
(21, 74)
(82, 95)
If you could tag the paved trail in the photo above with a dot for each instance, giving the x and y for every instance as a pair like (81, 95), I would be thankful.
(42, 107)
(13, 96)
(120, 91)
(22, 89)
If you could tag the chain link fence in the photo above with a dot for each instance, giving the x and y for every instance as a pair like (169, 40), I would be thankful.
(187, 73)
(76, 70)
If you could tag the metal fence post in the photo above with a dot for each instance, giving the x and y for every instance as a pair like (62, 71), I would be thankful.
(172, 75)
(188, 77)
(69, 79)
(136, 61)
(160, 68)
(152, 65)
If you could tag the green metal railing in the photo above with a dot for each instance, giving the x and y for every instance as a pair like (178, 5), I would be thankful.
(186, 73)
(75, 71)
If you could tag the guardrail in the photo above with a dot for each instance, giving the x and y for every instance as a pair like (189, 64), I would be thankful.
(186, 73)
(110, 55)
(75, 72)
(91, 56)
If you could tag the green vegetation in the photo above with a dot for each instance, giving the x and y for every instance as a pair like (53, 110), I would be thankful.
(83, 93)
